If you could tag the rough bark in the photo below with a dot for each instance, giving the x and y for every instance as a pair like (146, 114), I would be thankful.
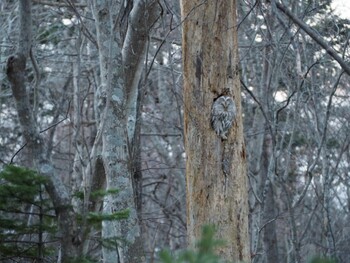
(121, 61)
(215, 169)
(37, 148)
(142, 17)
(269, 206)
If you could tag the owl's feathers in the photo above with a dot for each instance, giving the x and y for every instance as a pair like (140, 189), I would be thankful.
(223, 113)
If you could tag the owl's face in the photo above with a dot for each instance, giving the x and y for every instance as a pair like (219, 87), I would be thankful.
(226, 103)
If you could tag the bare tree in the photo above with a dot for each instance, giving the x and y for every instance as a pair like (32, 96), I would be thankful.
(289, 103)
(121, 52)
(87, 62)
(16, 66)
(121, 37)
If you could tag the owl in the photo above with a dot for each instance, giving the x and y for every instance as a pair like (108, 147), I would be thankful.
(223, 113)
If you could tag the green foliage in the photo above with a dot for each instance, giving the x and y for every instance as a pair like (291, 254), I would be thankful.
(333, 143)
(25, 214)
(112, 242)
(82, 260)
(21, 197)
(50, 34)
(101, 193)
(95, 195)
(204, 252)
(95, 219)
(19, 183)
(322, 260)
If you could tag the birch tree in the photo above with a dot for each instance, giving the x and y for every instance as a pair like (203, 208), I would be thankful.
(121, 56)
(121, 37)
(37, 148)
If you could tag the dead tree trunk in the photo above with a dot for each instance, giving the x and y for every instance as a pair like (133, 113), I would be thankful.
(216, 168)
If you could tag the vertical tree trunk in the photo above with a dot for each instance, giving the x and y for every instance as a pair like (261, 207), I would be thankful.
(113, 124)
(37, 148)
(216, 168)
(269, 205)
(121, 60)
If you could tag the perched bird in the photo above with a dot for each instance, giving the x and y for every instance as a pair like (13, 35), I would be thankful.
(223, 113)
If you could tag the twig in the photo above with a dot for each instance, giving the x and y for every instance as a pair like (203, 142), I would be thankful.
(261, 109)
(308, 30)
(55, 124)
(20, 149)
(44, 130)
(58, 4)
(251, 10)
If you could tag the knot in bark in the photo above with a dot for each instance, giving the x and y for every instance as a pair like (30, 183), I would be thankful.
(16, 64)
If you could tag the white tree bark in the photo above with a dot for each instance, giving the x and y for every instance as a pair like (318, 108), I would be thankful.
(121, 61)
(16, 66)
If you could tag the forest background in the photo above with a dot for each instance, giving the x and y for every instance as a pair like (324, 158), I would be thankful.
(295, 107)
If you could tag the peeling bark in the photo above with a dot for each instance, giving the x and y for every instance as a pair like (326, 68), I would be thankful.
(214, 195)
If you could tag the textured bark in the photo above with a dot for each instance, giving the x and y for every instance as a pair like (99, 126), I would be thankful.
(142, 17)
(37, 148)
(111, 97)
(215, 169)
(121, 61)
(269, 206)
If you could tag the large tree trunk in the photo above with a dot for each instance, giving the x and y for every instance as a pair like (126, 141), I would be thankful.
(216, 168)
(112, 130)
(37, 147)
(121, 52)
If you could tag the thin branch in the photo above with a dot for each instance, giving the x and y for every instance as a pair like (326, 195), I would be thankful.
(37, 80)
(162, 134)
(55, 120)
(301, 197)
(18, 151)
(294, 91)
(248, 13)
(84, 29)
(318, 39)
(44, 130)
(56, 123)
(58, 4)
(262, 110)
(324, 133)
